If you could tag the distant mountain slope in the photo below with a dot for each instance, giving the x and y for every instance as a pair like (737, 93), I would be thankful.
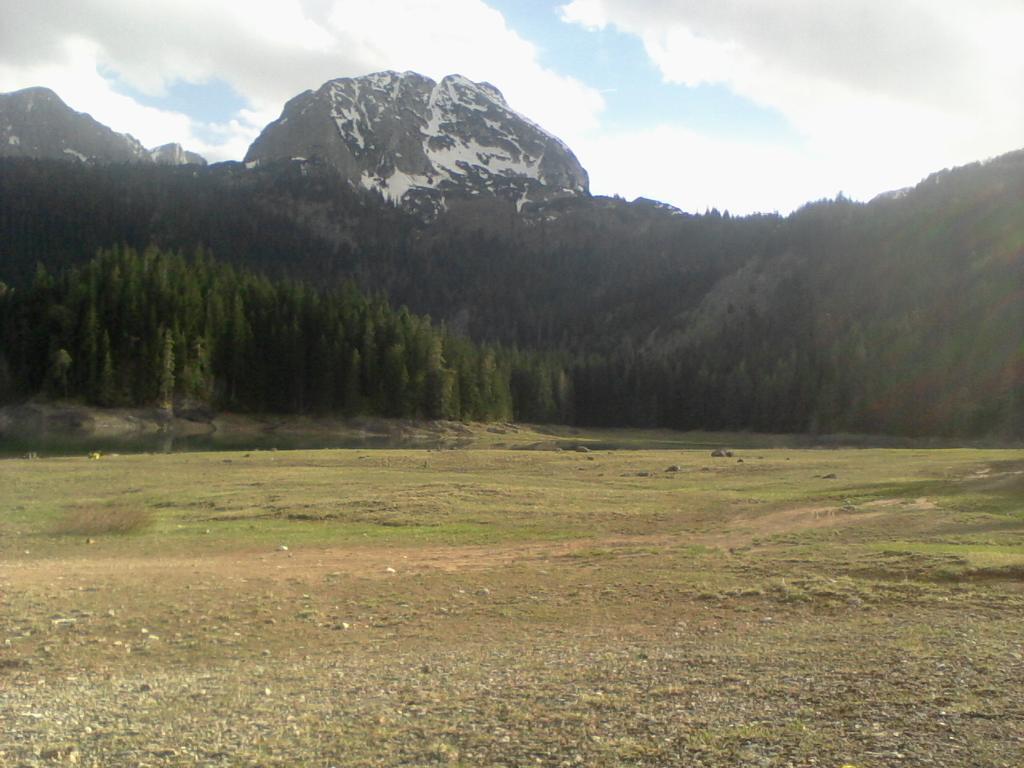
(36, 123)
(175, 154)
(281, 219)
(901, 316)
(421, 142)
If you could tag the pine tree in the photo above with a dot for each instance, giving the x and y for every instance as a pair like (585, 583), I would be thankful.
(60, 367)
(352, 399)
(6, 379)
(106, 393)
(89, 352)
(166, 386)
(395, 381)
(199, 381)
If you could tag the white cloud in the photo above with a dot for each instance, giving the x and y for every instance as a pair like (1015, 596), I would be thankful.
(268, 51)
(74, 76)
(697, 172)
(441, 37)
(881, 91)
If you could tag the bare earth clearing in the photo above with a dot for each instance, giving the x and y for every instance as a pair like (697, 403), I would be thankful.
(510, 608)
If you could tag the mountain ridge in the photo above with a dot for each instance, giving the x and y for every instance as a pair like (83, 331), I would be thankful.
(903, 315)
(175, 154)
(899, 316)
(36, 123)
(420, 141)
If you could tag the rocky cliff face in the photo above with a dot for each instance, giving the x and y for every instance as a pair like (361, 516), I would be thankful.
(36, 123)
(421, 142)
(175, 154)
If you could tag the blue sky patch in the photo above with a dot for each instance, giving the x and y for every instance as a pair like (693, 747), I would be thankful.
(636, 96)
(211, 102)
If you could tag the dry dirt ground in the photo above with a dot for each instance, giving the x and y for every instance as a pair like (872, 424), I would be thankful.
(514, 608)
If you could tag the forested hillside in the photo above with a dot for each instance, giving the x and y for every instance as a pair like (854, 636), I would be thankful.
(157, 328)
(904, 315)
(281, 220)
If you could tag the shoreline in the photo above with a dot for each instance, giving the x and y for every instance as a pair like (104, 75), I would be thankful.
(67, 428)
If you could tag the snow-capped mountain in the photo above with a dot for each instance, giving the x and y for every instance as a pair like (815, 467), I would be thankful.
(420, 142)
(175, 154)
(36, 123)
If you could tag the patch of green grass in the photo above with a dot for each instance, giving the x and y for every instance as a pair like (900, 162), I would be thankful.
(975, 557)
(240, 500)
(749, 614)
(952, 548)
(992, 487)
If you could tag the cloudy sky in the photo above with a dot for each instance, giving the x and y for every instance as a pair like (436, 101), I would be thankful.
(745, 105)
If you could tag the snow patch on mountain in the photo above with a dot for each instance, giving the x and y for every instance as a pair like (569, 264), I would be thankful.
(416, 140)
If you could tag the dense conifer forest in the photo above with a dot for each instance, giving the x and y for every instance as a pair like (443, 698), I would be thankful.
(901, 316)
(156, 328)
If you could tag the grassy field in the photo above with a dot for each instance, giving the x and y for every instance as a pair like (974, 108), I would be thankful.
(510, 607)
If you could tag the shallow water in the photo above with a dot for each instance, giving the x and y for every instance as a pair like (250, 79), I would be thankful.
(69, 444)
(55, 444)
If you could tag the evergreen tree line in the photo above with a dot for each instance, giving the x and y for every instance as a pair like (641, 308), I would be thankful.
(130, 328)
(901, 316)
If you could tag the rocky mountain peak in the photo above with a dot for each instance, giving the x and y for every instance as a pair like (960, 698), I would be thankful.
(36, 123)
(175, 154)
(30, 97)
(421, 142)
